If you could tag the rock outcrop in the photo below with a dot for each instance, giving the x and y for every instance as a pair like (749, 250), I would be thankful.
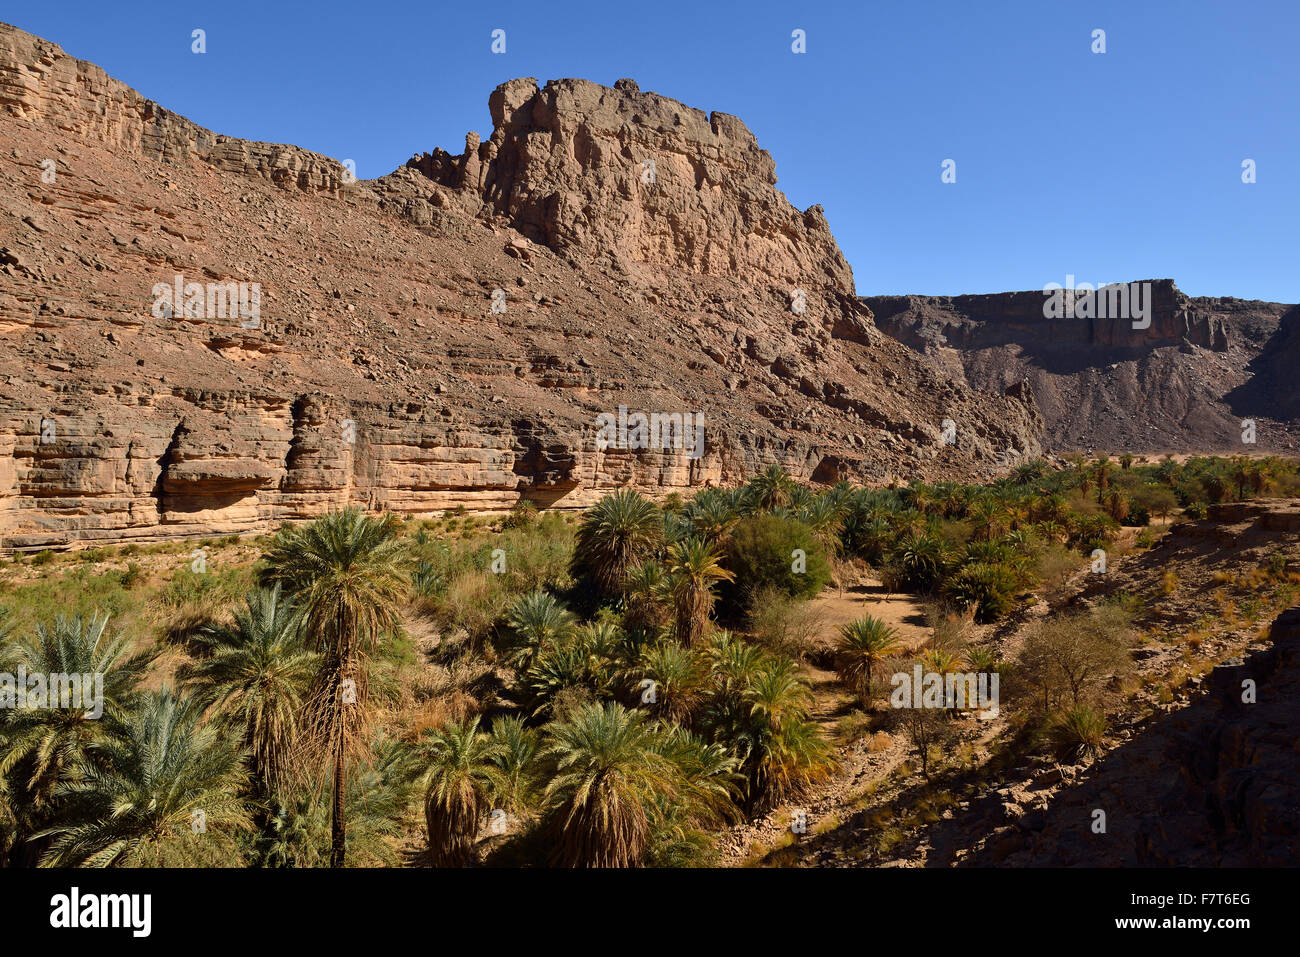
(641, 179)
(42, 85)
(444, 336)
(1182, 382)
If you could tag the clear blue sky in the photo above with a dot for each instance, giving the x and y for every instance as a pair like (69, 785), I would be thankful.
(1114, 166)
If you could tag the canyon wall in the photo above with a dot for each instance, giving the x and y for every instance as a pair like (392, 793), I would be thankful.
(446, 335)
(1184, 380)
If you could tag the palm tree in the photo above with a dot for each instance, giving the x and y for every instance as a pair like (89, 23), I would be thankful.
(256, 671)
(863, 647)
(163, 793)
(41, 747)
(781, 753)
(607, 773)
(772, 488)
(735, 664)
(706, 778)
(693, 567)
(538, 621)
(777, 693)
(516, 751)
(346, 572)
(378, 804)
(921, 559)
(712, 516)
(987, 514)
(555, 673)
(1103, 477)
(464, 773)
(825, 516)
(617, 533)
(680, 679)
(647, 597)
(943, 662)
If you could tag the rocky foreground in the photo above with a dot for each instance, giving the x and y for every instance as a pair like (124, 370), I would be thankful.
(446, 335)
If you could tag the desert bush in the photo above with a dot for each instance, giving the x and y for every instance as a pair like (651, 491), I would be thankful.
(763, 553)
(1076, 732)
(1071, 655)
(789, 626)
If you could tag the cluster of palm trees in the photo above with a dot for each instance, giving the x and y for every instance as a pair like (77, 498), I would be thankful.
(265, 744)
(271, 709)
(624, 734)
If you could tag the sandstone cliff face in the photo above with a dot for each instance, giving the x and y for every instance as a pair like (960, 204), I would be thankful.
(1182, 384)
(641, 179)
(42, 85)
(443, 336)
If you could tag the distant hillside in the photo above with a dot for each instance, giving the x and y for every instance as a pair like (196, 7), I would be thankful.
(1183, 384)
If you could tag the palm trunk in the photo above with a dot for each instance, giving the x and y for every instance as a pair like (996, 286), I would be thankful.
(338, 824)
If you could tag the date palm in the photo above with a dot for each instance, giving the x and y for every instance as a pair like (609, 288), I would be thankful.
(463, 776)
(607, 771)
(41, 747)
(517, 749)
(694, 567)
(165, 792)
(538, 622)
(771, 488)
(825, 516)
(781, 753)
(347, 574)
(920, 558)
(680, 677)
(942, 662)
(863, 647)
(735, 664)
(256, 671)
(378, 804)
(647, 598)
(713, 515)
(617, 533)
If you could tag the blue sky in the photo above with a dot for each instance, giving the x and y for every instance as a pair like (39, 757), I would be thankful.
(1116, 166)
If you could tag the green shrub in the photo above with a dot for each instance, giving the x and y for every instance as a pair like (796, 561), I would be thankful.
(987, 588)
(521, 516)
(1076, 733)
(131, 577)
(764, 551)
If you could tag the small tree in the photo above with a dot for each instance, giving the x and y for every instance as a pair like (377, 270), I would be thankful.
(925, 728)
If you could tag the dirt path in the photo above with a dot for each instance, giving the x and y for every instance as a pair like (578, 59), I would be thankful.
(868, 597)
(863, 763)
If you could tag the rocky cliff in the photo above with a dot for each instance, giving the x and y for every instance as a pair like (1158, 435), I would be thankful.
(1182, 380)
(447, 335)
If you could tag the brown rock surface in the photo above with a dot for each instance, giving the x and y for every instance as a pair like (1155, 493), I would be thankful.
(380, 373)
(1182, 385)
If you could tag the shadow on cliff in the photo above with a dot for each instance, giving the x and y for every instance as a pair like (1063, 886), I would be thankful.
(1273, 389)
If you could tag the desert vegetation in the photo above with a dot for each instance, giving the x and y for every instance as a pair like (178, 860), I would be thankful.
(616, 688)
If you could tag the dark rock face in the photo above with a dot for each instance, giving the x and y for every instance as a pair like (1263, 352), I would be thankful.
(1237, 798)
(1184, 383)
